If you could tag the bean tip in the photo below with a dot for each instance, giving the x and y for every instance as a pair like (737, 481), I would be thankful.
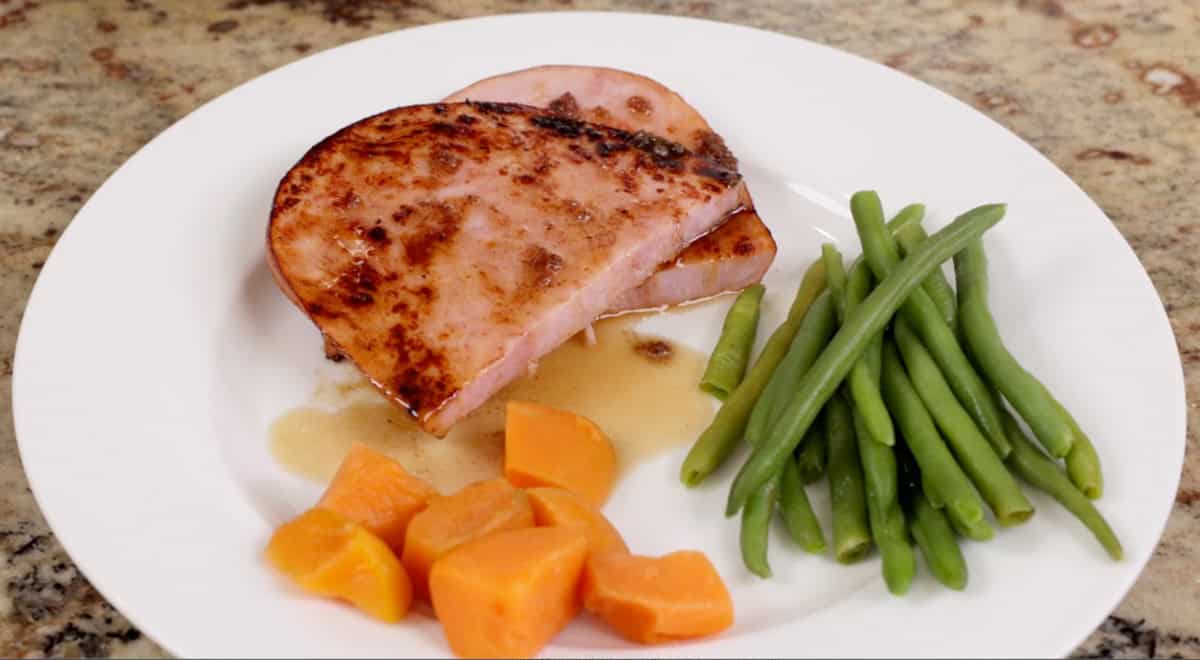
(956, 582)
(999, 208)
(690, 474)
(732, 507)
(1016, 517)
(713, 389)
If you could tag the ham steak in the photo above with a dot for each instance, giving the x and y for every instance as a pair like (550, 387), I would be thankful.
(444, 247)
(732, 256)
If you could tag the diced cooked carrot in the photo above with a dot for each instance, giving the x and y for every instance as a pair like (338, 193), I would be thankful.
(447, 522)
(378, 493)
(545, 446)
(657, 599)
(330, 555)
(506, 595)
(557, 507)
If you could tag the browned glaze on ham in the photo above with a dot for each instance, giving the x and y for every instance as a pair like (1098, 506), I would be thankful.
(443, 247)
(732, 256)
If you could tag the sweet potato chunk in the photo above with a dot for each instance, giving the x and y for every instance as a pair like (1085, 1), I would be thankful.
(330, 555)
(447, 522)
(378, 493)
(545, 446)
(506, 595)
(657, 599)
(557, 507)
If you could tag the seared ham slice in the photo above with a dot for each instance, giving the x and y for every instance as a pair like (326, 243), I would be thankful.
(732, 256)
(444, 247)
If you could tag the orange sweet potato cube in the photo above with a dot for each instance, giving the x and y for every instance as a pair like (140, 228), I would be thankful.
(506, 595)
(657, 599)
(378, 493)
(556, 507)
(545, 446)
(479, 509)
(329, 555)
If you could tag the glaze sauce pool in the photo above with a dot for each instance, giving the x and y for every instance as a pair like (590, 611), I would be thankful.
(641, 390)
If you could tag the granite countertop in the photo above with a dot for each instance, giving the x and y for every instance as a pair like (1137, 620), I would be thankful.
(1107, 89)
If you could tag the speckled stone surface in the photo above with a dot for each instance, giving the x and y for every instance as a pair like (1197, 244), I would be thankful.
(1107, 89)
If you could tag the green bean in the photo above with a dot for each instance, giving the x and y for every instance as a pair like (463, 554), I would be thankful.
(858, 285)
(728, 361)
(1083, 463)
(863, 383)
(1042, 473)
(864, 391)
(895, 548)
(937, 464)
(974, 454)
(868, 398)
(976, 531)
(756, 527)
(979, 530)
(879, 466)
(889, 530)
(938, 545)
(907, 215)
(847, 494)
(882, 255)
(931, 493)
(812, 456)
(909, 475)
(936, 285)
(913, 213)
(862, 324)
(1031, 399)
(914, 484)
(885, 483)
(797, 512)
(812, 283)
(760, 415)
(835, 275)
(815, 329)
(810, 338)
(718, 440)
(954, 421)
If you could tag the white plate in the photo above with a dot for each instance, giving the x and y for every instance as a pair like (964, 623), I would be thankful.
(155, 348)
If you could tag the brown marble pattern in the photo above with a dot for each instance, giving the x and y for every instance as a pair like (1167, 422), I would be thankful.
(1106, 88)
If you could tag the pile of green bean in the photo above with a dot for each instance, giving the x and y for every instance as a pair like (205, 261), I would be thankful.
(892, 385)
